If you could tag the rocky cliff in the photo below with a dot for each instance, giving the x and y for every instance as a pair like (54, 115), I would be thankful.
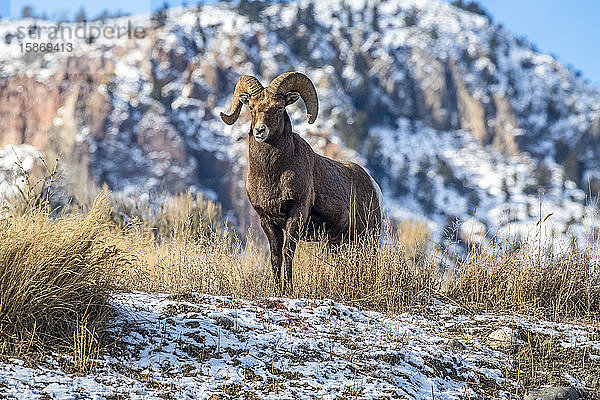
(449, 111)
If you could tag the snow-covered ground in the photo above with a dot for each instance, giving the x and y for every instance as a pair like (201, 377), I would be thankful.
(208, 347)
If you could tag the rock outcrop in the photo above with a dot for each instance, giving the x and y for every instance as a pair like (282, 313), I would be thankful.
(441, 105)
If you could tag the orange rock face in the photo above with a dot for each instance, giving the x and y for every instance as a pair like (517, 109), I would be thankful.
(26, 111)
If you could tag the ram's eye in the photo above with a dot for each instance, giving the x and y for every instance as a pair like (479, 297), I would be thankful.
(280, 108)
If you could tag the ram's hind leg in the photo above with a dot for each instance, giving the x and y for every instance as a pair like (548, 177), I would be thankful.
(275, 238)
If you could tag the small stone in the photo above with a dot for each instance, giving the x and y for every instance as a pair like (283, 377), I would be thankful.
(553, 393)
(456, 344)
(501, 338)
(192, 324)
(224, 322)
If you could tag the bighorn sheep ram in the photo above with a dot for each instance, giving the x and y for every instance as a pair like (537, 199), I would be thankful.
(293, 189)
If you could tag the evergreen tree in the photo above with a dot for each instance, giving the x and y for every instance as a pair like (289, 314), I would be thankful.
(411, 17)
(375, 19)
(306, 15)
(472, 6)
(80, 16)
(27, 12)
(252, 9)
(159, 18)
(349, 17)
(102, 16)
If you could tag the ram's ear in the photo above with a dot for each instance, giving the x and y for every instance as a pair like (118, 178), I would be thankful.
(291, 98)
(245, 98)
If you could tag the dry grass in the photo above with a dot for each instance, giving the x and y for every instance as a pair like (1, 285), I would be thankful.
(403, 273)
(528, 281)
(55, 278)
(86, 347)
(389, 278)
(215, 263)
(360, 273)
(542, 360)
(182, 217)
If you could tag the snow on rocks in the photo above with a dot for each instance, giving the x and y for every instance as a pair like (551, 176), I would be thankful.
(553, 393)
(502, 338)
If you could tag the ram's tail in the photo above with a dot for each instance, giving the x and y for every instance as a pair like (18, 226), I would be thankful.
(380, 198)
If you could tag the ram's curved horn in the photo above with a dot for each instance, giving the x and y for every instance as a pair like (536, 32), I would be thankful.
(298, 82)
(246, 84)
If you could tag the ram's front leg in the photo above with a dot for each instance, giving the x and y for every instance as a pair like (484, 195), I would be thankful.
(293, 226)
(275, 238)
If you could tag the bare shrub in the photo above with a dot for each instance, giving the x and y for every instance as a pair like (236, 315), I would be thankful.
(182, 217)
(361, 273)
(529, 280)
(53, 273)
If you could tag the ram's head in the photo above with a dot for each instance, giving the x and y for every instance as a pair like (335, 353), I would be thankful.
(267, 105)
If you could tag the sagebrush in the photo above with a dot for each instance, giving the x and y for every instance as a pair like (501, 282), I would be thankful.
(53, 273)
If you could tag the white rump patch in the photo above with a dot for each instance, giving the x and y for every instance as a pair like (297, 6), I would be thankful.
(380, 198)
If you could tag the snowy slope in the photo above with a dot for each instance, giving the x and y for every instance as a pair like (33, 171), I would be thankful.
(204, 347)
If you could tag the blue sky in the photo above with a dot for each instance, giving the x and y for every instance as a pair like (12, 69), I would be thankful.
(55, 8)
(569, 30)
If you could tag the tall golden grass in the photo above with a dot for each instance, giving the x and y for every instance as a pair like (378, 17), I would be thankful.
(529, 280)
(53, 273)
(181, 217)
(406, 271)
(359, 273)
